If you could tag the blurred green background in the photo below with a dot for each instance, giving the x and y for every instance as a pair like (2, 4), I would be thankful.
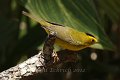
(21, 38)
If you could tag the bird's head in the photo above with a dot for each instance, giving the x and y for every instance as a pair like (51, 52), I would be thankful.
(91, 39)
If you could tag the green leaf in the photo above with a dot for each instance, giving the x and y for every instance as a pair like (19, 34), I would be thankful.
(78, 14)
(111, 8)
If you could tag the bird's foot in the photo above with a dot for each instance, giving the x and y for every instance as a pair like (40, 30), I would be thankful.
(55, 57)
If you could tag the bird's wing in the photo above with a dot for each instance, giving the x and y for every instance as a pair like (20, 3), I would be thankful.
(67, 34)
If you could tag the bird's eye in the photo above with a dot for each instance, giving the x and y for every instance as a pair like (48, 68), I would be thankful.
(92, 40)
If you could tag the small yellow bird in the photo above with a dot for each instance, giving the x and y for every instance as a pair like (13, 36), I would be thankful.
(66, 37)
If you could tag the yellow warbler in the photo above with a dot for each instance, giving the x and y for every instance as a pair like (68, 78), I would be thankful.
(66, 37)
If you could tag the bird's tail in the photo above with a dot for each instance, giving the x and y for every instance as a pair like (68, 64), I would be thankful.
(39, 20)
(31, 16)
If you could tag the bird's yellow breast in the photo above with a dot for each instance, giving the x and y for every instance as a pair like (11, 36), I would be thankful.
(69, 46)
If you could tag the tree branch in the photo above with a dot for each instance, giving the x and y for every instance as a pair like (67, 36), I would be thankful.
(29, 67)
(39, 63)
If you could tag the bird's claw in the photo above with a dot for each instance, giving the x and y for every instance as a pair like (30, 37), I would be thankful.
(55, 57)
